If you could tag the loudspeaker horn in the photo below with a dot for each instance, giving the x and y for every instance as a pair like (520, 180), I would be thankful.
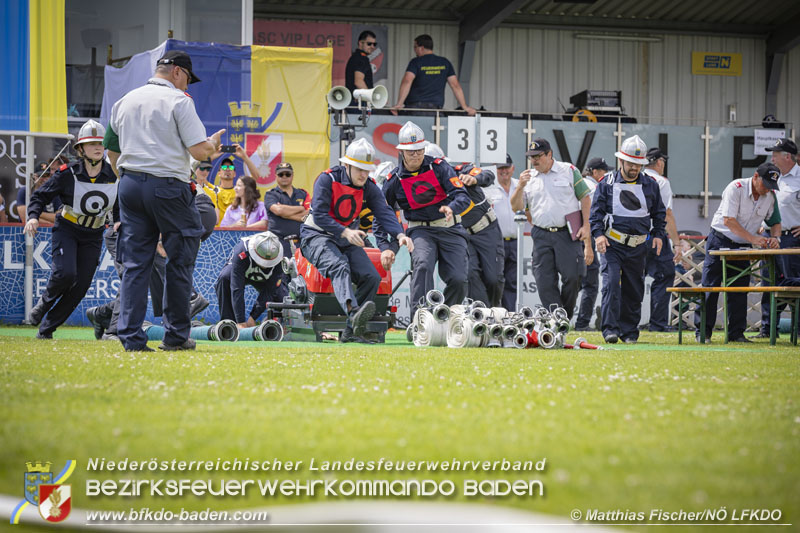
(376, 97)
(339, 97)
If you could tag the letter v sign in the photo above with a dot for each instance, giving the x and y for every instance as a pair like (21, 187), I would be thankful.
(588, 139)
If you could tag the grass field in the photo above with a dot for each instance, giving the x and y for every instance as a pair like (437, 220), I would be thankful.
(640, 427)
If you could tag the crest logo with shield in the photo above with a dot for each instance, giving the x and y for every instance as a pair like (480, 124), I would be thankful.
(55, 502)
(36, 475)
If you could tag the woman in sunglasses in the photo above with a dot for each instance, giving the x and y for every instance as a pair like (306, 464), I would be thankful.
(246, 211)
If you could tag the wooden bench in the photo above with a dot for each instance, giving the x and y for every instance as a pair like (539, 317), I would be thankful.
(788, 295)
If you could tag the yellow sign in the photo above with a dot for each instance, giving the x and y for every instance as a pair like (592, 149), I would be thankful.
(716, 64)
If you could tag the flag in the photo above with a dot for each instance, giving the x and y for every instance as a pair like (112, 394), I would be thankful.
(34, 97)
(271, 100)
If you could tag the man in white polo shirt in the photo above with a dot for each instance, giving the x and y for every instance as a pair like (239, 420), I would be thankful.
(499, 196)
(152, 132)
(746, 204)
(551, 191)
(784, 156)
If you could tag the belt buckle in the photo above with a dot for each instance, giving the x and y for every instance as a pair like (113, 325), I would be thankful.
(552, 229)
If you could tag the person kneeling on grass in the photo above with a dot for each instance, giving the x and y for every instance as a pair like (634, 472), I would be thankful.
(255, 261)
(332, 241)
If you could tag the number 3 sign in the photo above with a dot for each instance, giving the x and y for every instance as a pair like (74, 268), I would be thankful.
(490, 142)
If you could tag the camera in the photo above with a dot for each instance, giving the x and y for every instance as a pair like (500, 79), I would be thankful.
(227, 149)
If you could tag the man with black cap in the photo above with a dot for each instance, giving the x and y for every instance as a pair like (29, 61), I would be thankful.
(661, 267)
(499, 195)
(156, 196)
(746, 204)
(784, 156)
(594, 172)
(551, 191)
(287, 206)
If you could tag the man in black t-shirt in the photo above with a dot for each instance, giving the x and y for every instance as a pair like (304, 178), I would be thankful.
(358, 72)
(425, 78)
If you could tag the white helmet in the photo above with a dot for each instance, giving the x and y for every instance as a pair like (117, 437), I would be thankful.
(434, 150)
(91, 132)
(633, 150)
(360, 154)
(381, 172)
(265, 249)
(411, 137)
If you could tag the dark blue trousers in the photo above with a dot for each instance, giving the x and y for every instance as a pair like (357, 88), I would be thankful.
(448, 247)
(622, 268)
(712, 277)
(589, 289)
(510, 274)
(344, 266)
(267, 292)
(661, 268)
(486, 256)
(76, 254)
(149, 206)
(787, 268)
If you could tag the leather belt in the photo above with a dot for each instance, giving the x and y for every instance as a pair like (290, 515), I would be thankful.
(509, 238)
(552, 229)
(623, 238)
(483, 222)
(438, 223)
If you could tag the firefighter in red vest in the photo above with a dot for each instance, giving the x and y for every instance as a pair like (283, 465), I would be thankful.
(430, 195)
(331, 240)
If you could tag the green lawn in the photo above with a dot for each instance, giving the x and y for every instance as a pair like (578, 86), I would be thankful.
(650, 426)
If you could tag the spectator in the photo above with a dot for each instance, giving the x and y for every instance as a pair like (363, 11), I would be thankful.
(358, 72)
(246, 211)
(3, 215)
(286, 206)
(426, 75)
(51, 209)
(200, 173)
(227, 175)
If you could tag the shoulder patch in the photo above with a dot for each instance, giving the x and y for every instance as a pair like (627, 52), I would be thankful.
(475, 171)
(243, 255)
(458, 167)
(456, 182)
(329, 171)
(739, 184)
(187, 94)
(389, 176)
(438, 160)
(63, 167)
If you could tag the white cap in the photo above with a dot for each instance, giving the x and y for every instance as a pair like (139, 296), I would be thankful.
(91, 132)
(265, 249)
(633, 150)
(411, 137)
(360, 154)
(381, 172)
(434, 150)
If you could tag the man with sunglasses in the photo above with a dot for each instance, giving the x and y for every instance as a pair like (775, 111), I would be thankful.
(225, 190)
(156, 197)
(200, 172)
(358, 72)
(286, 206)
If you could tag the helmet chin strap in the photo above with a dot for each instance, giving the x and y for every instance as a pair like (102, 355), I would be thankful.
(91, 161)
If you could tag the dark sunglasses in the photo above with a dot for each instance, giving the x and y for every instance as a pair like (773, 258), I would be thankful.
(204, 169)
(374, 43)
(284, 174)
(227, 167)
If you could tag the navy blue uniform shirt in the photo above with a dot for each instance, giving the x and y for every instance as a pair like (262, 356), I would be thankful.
(454, 191)
(245, 271)
(430, 77)
(384, 219)
(479, 205)
(61, 185)
(280, 226)
(603, 202)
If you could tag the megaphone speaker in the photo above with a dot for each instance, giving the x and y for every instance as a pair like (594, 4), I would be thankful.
(339, 97)
(376, 97)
